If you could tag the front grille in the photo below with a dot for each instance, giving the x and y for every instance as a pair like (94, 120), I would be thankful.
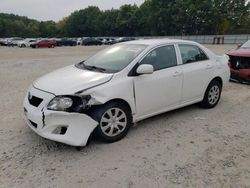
(33, 124)
(35, 101)
(238, 63)
(235, 76)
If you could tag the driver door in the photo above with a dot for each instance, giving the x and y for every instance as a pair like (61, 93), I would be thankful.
(157, 92)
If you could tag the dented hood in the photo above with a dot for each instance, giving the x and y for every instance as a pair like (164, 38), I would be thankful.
(70, 79)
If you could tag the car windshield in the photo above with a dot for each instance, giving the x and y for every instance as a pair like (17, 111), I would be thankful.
(113, 59)
(246, 45)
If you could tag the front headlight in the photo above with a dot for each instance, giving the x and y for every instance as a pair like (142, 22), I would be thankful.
(60, 103)
(70, 103)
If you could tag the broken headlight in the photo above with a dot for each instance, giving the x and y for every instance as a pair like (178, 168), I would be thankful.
(68, 103)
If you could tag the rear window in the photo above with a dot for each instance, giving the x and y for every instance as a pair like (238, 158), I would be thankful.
(191, 53)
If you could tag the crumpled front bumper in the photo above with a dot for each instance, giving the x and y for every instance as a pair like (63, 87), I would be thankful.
(69, 128)
(242, 75)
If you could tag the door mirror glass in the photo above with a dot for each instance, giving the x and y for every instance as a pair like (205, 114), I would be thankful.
(145, 69)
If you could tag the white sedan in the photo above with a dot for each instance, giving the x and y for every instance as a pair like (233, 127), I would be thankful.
(26, 43)
(121, 85)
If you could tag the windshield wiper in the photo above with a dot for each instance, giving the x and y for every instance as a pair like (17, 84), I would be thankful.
(95, 68)
(89, 67)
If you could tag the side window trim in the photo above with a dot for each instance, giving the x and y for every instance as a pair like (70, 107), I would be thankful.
(179, 51)
(178, 55)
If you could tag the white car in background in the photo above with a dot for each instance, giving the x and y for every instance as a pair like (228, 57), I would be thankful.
(14, 41)
(79, 41)
(10, 41)
(121, 85)
(26, 43)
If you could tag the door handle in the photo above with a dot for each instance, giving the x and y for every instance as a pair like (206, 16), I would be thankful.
(209, 66)
(177, 73)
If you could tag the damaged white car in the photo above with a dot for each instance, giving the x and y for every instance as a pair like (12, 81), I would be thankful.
(121, 85)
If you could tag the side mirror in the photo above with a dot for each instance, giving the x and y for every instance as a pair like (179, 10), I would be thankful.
(145, 69)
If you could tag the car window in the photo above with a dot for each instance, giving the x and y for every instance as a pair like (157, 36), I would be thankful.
(191, 53)
(161, 58)
(116, 57)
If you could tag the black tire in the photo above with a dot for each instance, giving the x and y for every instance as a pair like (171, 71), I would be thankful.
(208, 101)
(98, 114)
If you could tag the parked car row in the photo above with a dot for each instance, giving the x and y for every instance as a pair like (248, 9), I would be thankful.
(104, 40)
(10, 41)
(26, 43)
(37, 42)
(53, 42)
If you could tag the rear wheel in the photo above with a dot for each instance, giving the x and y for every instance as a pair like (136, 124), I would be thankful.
(114, 119)
(212, 95)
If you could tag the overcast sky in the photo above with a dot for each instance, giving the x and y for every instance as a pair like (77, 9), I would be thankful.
(56, 9)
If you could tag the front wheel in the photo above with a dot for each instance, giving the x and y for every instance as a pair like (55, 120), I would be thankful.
(114, 119)
(212, 95)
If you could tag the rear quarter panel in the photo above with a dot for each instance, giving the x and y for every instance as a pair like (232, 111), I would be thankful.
(222, 69)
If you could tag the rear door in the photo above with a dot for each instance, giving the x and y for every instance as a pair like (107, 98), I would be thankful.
(197, 71)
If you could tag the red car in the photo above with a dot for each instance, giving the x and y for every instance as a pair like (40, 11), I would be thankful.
(239, 62)
(44, 44)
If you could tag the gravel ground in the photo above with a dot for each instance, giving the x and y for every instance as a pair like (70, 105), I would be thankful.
(189, 147)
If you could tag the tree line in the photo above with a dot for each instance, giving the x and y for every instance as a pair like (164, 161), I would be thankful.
(152, 18)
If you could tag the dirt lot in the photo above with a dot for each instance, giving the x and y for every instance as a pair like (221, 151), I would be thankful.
(190, 147)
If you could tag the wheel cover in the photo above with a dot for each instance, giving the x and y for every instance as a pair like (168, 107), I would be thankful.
(113, 122)
(214, 94)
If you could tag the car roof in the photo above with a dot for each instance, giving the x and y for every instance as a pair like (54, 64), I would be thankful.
(155, 42)
(151, 43)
